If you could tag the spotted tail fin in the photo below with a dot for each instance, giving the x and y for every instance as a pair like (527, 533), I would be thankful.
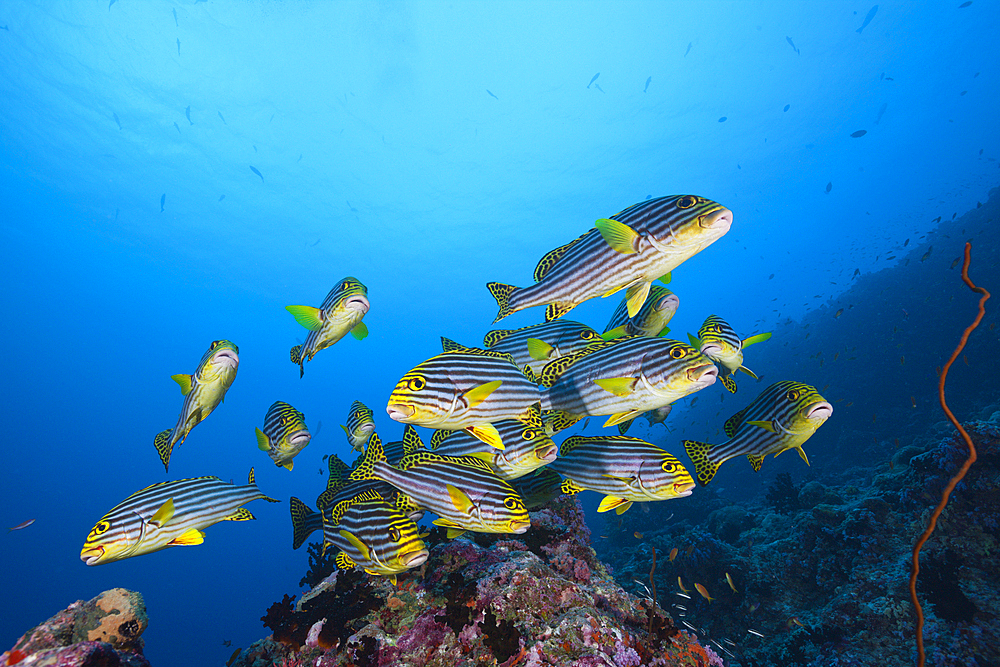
(164, 446)
(304, 521)
(704, 466)
(502, 294)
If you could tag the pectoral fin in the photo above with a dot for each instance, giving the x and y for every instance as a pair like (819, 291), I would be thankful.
(185, 381)
(163, 515)
(477, 395)
(766, 425)
(460, 500)
(613, 503)
(618, 235)
(539, 349)
(188, 539)
(263, 443)
(617, 386)
(620, 417)
(356, 543)
(758, 338)
(665, 279)
(749, 372)
(488, 433)
(636, 295)
(309, 317)
(612, 334)
(360, 331)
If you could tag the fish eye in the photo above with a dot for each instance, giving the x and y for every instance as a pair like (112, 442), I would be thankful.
(528, 434)
(587, 335)
(677, 352)
(792, 395)
(686, 201)
(215, 344)
(394, 534)
(345, 285)
(101, 527)
(416, 383)
(669, 467)
(513, 503)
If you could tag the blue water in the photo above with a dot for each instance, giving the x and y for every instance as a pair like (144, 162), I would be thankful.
(425, 148)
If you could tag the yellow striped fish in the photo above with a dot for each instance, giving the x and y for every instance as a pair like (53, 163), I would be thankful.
(625, 469)
(360, 424)
(463, 491)
(464, 389)
(539, 488)
(167, 514)
(651, 320)
(629, 251)
(203, 391)
(527, 447)
(285, 434)
(719, 342)
(623, 378)
(784, 416)
(538, 344)
(341, 311)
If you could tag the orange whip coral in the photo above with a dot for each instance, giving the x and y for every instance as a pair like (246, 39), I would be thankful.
(965, 466)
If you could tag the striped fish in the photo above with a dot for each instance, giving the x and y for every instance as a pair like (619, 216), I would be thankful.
(784, 416)
(623, 378)
(720, 343)
(538, 344)
(625, 469)
(538, 489)
(629, 251)
(167, 514)
(651, 320)
(285, 434)
(464, 389)
(527, 447)
(463, 491)
(203, 391)
(341, 311)
(360, 424)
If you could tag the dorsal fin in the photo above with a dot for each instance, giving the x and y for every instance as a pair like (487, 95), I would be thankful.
(550, 258)
(555, 368)
(373, 453)
(449, 345)
(493, 337)
(411, 440)
(424, 457)
(439, 436)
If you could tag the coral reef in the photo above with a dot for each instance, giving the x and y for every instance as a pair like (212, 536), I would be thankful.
(104, 631)
(826, 583)
(542, 598)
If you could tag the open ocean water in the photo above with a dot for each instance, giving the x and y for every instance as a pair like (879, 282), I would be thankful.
(174, 173)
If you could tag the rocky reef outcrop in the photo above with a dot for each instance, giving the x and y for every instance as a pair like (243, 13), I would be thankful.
(103, 632)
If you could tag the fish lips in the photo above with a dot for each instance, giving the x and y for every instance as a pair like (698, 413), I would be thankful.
(704, 375)
(682, 489)
(300, 438)
(719, 220)
(400, 411)
(668, 303)
(546, 453)
(226, 358)
(357, 302)
(92, 556)
(414, 558)
(821, 410)
(518, 527)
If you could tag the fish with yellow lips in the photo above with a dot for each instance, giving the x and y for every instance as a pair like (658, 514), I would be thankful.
(168, 514)
(285, 434)
(718, 341)
(465, 389)
(527, 447)
(341, 312)
(203, 391)
(651, 320)
(783, 417)
(360, 424)
(629, 250)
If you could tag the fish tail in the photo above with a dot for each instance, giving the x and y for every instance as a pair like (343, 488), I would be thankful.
(297, 358)
(502, 293)
(558, 420)
(301, 514)
(164, 445)
(704, 466)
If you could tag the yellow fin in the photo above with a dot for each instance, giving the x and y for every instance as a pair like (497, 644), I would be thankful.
(360, 331)
(636, 296)
(663, 332)
(452, 533)
(665, 278)
(189, 538)
(704, 466)
(488, 433)
(184, 381)
(758, 338)
(618, 235)
(309, 317)
(356, 543)
(477, 395)
(163, 515)
(617, 386)
(620, 417)
(343, 561)
(755, 462)
(461, 501)
(240, 515)
(539, 349)
(617, 332)
(802, 453)
(695, 341)
(392, 579)
(766, 425)
(621, 509)
(287, 466)
(611, 502)
(749, 372)
(263, 443)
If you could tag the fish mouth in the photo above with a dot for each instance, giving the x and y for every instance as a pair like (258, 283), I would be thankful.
(518, 527)
(821, 410)
(720, 219)
(414, 558)
(546, 453)
(705, 374)
(92, 556)
(711, 349)
(357, 302)
(682, 489)
(399, 411)
(669, 302)
(300, 438)
(226, 358)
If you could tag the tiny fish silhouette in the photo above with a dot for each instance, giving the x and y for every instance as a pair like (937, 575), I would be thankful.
(351, 207)
(22, 525)
(111, 3)
(647, 84)
(176, 24)
(868, 19)
(223, 118)
(178, 127)
(598, 86)
(688, 49)
(881, 111)
(787, 107)
(116, 120)
(859, 133)
(724, 119)
(178, 46)
(965, 4)
(829, 186)
(163, 200)
(254, 170)
(594, 79)
(492, 95)
(300, 158)
(187, 113)
(792, 44)
(221, 197)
